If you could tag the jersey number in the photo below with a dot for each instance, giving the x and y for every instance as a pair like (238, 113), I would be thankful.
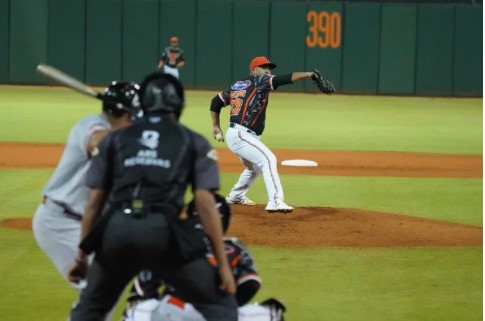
(236, 101)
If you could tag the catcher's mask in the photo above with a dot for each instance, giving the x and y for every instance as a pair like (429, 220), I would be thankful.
(161, 93)
(120, 98)
(222, 207)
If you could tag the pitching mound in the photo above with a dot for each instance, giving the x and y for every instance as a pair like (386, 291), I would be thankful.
(317, 226)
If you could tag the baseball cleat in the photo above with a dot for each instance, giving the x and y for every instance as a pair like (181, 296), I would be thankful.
(279, 208)
(243, 201)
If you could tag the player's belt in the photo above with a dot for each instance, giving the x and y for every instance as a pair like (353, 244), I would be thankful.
(240, 127)
(67, 211)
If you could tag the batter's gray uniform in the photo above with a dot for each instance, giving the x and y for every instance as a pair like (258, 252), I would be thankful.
(57, 221)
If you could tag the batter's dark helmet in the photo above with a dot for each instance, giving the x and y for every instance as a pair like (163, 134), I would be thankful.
(120, 98)
(161, 93)
(222, 207)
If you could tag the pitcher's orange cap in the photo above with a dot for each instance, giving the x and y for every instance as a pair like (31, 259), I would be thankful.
(261, 61)
(174, 39)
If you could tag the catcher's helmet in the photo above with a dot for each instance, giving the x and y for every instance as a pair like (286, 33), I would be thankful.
(161, 93)
(222, 206)
(120, 98)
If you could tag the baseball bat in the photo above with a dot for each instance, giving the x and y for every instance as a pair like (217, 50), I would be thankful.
(67, 80)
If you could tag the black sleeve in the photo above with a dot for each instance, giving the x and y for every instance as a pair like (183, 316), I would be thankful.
(217, 104)
(281, 80)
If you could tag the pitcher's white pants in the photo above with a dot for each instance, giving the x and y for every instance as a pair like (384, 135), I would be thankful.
(258, 159)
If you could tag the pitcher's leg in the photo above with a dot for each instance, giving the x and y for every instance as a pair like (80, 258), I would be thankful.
(250, 148)
(245, 181)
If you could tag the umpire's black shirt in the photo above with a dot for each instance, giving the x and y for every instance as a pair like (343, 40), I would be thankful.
(154, 159)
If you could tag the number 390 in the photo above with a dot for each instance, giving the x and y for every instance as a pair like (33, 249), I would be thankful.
(324, 28)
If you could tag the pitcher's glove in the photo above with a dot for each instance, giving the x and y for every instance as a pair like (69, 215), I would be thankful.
(324, 85)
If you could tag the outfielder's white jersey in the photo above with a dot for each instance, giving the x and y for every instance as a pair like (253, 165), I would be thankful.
(57, 221)
(172, 309)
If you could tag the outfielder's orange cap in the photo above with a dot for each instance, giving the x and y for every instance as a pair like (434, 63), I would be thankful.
(174, 39)
(261, 61)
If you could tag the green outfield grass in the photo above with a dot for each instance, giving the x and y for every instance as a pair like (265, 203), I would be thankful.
(337, 284)
(295, 121)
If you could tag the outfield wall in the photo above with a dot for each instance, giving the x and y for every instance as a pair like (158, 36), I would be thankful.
(365, 48)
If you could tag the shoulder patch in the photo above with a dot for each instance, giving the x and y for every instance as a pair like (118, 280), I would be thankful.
(212, 154)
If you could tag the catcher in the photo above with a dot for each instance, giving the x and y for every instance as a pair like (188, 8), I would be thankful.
(147, 304)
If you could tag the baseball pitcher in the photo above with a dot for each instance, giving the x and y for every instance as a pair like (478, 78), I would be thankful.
(249, 99)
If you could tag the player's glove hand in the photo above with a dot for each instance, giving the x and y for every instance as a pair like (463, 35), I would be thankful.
(324, 85)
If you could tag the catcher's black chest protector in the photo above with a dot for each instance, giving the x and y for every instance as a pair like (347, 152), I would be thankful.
(152, 163)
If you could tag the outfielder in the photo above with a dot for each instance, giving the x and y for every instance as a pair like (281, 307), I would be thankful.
(172, 58)
(248, 99)
(146, 304)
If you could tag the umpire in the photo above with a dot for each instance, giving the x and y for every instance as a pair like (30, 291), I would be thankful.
(138, 181)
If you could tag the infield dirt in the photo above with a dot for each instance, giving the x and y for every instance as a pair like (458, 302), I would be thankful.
(317, 226)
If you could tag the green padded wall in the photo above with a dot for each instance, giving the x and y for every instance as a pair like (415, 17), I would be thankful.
(178, 18)
(140, 39)
(103, 41)
(28, 40)
(66, 41)
(370, 48)
(468, 62)
(397, 49)
(324, 41)
(249, 39)
(213, 45)
(434, 54)
(361, 48)
(4, 32)
(287, 41)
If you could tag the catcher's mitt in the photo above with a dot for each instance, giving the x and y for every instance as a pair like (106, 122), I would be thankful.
(324, 85)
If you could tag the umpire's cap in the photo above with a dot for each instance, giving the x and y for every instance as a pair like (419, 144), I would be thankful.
(120, 98)
(161, 93)
(261, 61)
(222, 206)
